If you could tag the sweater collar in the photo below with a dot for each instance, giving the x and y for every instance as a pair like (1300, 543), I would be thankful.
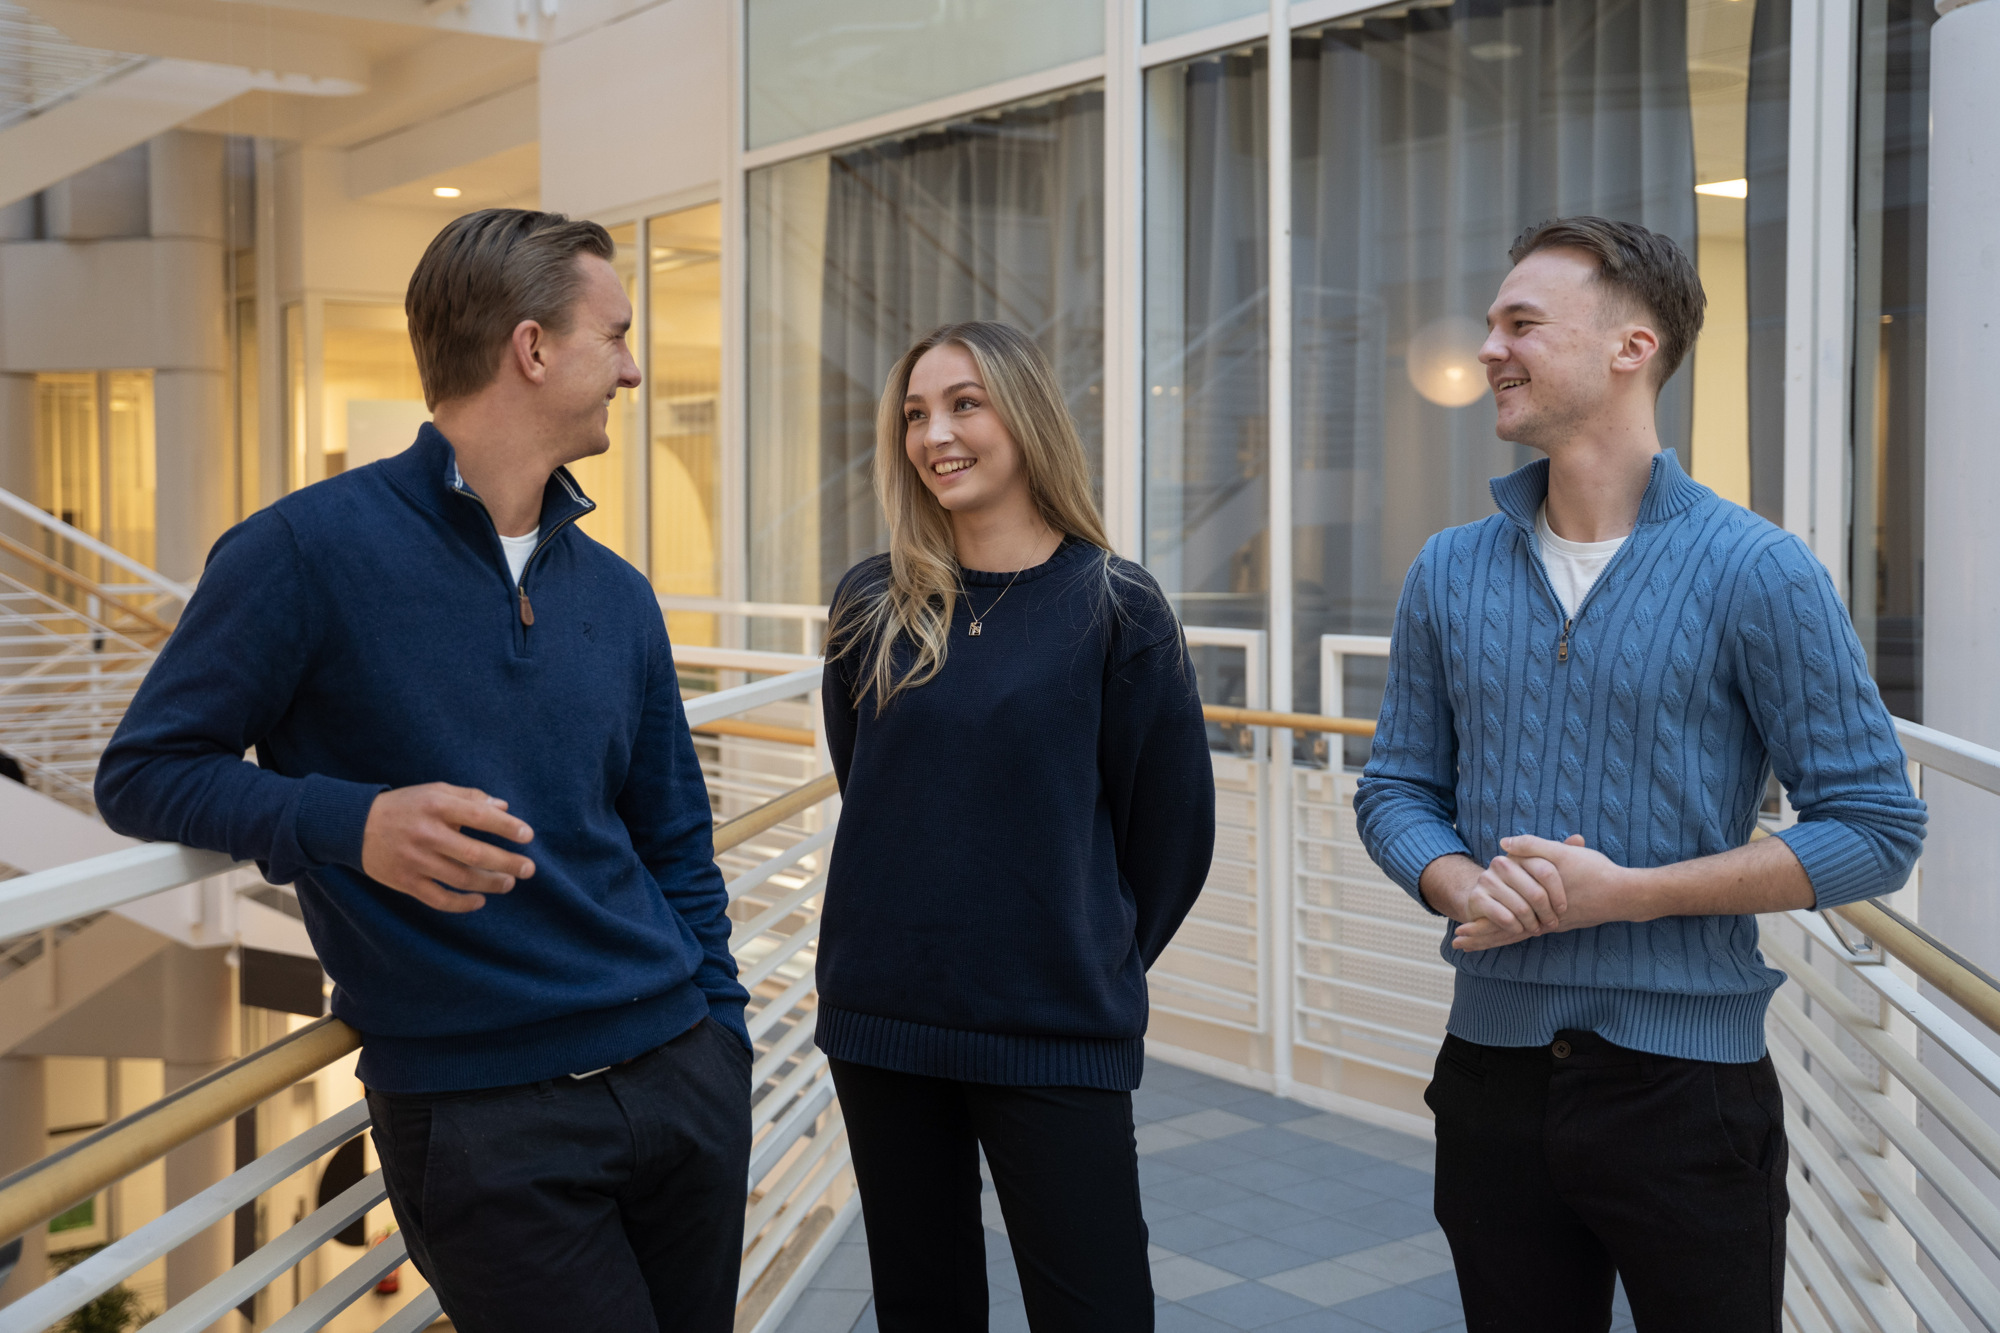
(1669, 491)
(429, 470)
(1068, 549)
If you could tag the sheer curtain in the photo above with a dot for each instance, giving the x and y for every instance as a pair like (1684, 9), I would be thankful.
(1424, 144)
(1000, 217)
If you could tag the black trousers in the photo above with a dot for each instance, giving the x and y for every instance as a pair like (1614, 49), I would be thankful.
(608, 1203)
(1066, 1167)
(1559, 1166)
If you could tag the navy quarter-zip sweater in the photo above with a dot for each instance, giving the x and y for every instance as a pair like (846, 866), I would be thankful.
(1711, 651)
(1019, 837)
(365, 634)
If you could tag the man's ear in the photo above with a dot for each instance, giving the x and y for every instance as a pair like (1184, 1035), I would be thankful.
(1637, 346)
(526, 348)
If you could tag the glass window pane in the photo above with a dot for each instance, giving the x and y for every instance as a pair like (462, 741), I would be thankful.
(129, 463)
(684, 372)
(1171, 18)
(814, 65)
(373, 399)
(1890, 224)
(857, 254)
(612, 479)
(1424, 143)
(1207, 349)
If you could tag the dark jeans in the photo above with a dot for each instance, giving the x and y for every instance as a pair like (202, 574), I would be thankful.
(1066, 1168)
(1560, 1165)
(608, 1203)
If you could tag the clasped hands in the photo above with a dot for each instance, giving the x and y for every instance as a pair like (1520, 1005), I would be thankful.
(1535, 887)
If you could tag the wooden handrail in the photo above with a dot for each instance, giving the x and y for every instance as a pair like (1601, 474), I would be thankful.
(1258, 717)
(757, 731)
(42, 1189)
(1968, 985)
(59, 571)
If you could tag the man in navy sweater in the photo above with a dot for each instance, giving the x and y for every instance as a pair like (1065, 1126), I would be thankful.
(472, 759)
(1587, 693)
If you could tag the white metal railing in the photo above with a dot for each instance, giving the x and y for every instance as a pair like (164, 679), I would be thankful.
(800, 1192)
(80, 625)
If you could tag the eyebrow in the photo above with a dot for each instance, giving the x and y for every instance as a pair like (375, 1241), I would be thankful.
(1518, 307)
(962, 384)
(621, 329)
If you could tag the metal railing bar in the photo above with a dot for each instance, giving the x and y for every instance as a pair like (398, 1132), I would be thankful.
(800, 1173)
(772, 1243)
(1979, 1137)
(1400, 997)
(422, 1311)
(1946, 1254)
(51, 897)
(774, 812)
(1421, 1075)
(784, 860)
(1968, 985)
(30, 555)
(1883, 1247)
(768, 964)
(127, 1255)
(741, 699)
(1420, 1040)
(1423, 966)
(281, 1252)
(41, 517)
(348, 1286)
(1981, 1214)
(1950, 754)
(787, 1131)
(1253, 1024)
(783, 1049)
(1195, 985)
(783, 1004)
(771, 1103)
(1820, 1282)
(44, 1188)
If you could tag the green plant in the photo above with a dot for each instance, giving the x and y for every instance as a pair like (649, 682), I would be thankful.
(116, 1311)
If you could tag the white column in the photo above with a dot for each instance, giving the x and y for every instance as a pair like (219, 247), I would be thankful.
(198, 1036)
(194, 445)
(1962, 496)
(23, 1139)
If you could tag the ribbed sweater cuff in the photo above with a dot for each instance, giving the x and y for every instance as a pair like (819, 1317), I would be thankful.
(331, 818)
(1111, 1063)
(1404, 856)
(1842, 866)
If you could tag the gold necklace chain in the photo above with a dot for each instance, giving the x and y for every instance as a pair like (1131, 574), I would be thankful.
(979, 618)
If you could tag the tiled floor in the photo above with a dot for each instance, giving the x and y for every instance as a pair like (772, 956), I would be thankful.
(1264, 1214)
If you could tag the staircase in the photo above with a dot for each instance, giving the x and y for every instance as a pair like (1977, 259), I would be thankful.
(80, 625)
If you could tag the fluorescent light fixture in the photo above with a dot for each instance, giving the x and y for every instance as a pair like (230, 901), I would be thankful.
(1736, 189)
(452, 191)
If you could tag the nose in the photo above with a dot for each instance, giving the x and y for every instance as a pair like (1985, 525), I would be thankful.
(937, 431)
(1494, 350)
(628, 374)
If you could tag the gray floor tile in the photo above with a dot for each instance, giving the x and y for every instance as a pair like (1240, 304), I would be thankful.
(1253, 1256)
(1248, 1305)
(1279, 1141)
(1210, 1123)
(822, 1311)
(1181, 1278)
(846, 1269)
(866, 1323)
(1393, 1218)
(1163, 1077)
(1326, 1196)
(1319, 1321)
(1271, 1110)
(1008, 1316)
(1329, 1127)
(1327, 1238)
(1260, 1214)
(1209, 1156)
(1193, 1231)
(1400, 1310)
(1327, 1282)
(1322, 1159)
(1393, 1180)
(1152, 1171)
(1149, 1105)
(1170, 1317)
(1215, 1092)
(1443, 1286)
(1196, 1191)
(1385, 1143)
(1264, 1175)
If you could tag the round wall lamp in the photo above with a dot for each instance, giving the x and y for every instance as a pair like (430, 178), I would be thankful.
(447, 191)
(1443, 361)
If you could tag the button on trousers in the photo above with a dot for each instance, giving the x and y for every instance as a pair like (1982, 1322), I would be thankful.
(612, 1203)
(1561, 1166)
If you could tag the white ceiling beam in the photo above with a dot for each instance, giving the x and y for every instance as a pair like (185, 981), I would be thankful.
(328, 62)
(119, 113)
(466, 135)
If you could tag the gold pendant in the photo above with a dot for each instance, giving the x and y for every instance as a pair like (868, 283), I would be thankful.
(974, 631)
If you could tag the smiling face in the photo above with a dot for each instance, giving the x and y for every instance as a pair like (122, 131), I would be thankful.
(589, 363)
(1561, 348)
(954, 437)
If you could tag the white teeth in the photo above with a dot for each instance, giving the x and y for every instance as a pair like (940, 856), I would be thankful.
(950, 466)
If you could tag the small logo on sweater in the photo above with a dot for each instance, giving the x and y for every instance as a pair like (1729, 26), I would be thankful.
(589, 631)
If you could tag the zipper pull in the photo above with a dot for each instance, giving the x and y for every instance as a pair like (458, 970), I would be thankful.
(1562, 645)
(527, 608)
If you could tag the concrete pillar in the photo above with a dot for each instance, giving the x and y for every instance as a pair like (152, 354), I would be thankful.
(1962, 443)
(198, 1036)
(194, 445)
(23, 1139)
(17, 445)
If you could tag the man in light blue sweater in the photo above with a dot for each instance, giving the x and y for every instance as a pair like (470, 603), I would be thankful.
(1586, 694)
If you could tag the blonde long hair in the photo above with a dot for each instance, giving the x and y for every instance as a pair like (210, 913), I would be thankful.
(917, 600)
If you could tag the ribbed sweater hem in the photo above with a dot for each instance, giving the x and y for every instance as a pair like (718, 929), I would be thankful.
(1113, 1064)
(1724, 1028)
(570, 1044)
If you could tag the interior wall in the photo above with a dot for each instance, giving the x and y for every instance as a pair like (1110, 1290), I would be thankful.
(335, 245)
(636, 109)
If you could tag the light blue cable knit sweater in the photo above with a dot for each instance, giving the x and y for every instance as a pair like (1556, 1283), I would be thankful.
(1712, 651)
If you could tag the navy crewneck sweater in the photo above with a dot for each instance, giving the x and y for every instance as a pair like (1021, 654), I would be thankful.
(365, 633)
(1019, 837)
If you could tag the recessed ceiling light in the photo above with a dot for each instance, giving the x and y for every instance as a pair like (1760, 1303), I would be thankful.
(1736, 189)
(447, 192)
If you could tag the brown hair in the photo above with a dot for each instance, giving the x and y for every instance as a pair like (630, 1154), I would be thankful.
(484, 274)
(1644, 267)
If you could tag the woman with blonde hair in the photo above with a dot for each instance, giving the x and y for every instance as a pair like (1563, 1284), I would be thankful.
(1029, 812)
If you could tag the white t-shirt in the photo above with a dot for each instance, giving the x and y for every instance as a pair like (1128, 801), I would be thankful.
(518, 550)
(1573, 566)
